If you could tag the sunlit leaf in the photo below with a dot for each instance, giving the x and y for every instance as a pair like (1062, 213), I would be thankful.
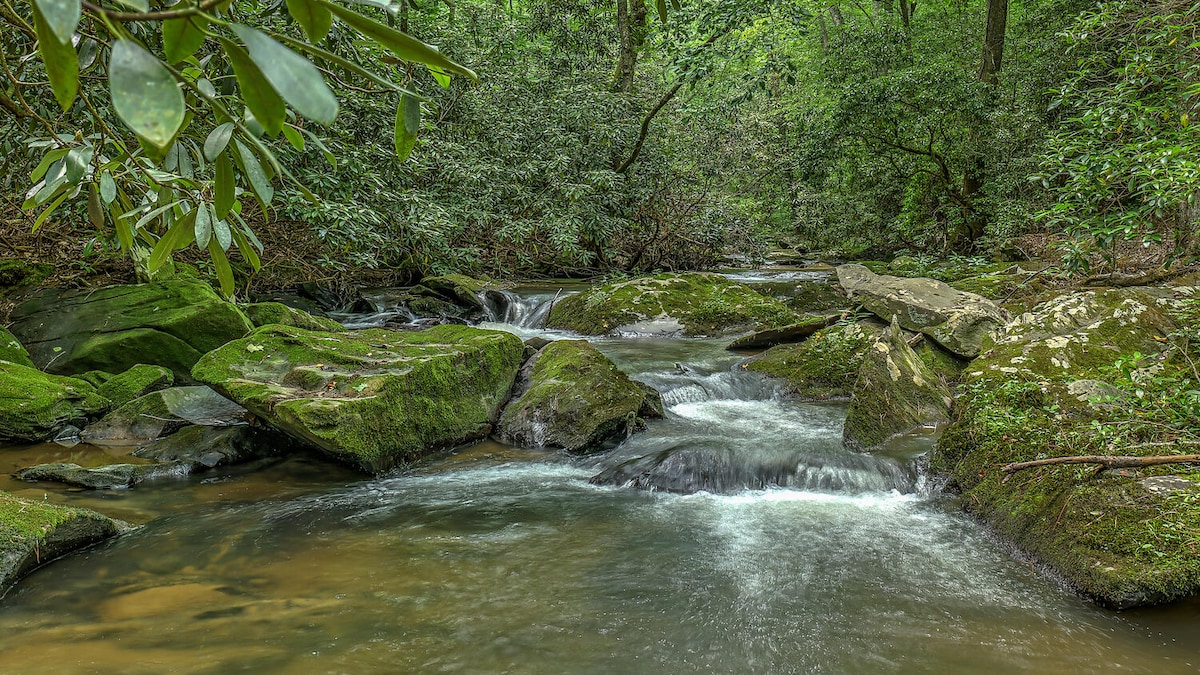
(314, 18)
(144, 94)
(203, 226)
(221, 232)
(260, 185)
(60, 60)
(408, 123)
(293, 76)
(217, 140)
(260, 97)
(179, 236)
(108, 188)
(182, 37)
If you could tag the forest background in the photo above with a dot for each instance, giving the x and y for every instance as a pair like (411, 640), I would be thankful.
(600, 136)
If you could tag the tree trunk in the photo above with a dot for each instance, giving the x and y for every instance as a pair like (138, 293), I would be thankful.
(835, 13)
(974, 222)
(626, 54)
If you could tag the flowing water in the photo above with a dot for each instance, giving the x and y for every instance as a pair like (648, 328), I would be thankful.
(796, 556)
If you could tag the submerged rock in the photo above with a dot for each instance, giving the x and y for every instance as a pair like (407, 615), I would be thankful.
(137, 381)
(33, 533)
(34, 405)
(825, 366)
(375, 399)
(1021, 400)
(162, 413)
(573, 397)
(690, 304)
(167, 323)
(957, 320)
(264, 313)
(11, 349)
(895, 392)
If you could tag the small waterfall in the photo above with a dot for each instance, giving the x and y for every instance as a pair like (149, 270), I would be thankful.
(522, 310)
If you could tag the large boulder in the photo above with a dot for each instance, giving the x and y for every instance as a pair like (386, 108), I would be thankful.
(265, 313)
(957, 320)
(167, 323)
(1021, 400)
(695, 303)
(895, 392)
(375, 399)
(33, 533)
(825, 366)
(11, 349)
(571, 396)
(162, 413)
(34, 405)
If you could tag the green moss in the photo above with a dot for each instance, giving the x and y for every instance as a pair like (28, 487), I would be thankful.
(817, 297)
(704, 304)
(33, 532)
(33, 405)
(94, 377)
(137, 381)
(12, 350)
(822, 367)
(168, 323)
(18, 274)
(576, 398)
(265, 313)
(374, 398)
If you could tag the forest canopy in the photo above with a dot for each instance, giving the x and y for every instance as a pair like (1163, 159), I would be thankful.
(580, 137)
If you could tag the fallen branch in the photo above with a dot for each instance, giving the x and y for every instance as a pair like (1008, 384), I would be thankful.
(1106, 461)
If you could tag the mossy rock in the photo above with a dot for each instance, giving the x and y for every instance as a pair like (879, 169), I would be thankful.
(17, 275)
(162, 413)
(459, 289)
(1002, 286)
(815, 296)
(265, 313)
(137, 381)
(895, 392)
(168, 323)
(573, 397)
(825, 366)
(33, 405)
(694, 303)
(1021, 400)
(94, 377)
(375, 399)
(33, 533)
(11, 349)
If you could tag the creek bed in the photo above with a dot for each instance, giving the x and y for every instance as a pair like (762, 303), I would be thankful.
(499, 559)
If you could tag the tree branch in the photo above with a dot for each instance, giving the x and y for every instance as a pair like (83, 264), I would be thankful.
(1108, 461)
(152, 16)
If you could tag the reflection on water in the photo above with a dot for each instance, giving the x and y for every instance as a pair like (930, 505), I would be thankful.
(498, 559)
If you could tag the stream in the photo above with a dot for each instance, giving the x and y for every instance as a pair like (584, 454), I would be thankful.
(794, 556)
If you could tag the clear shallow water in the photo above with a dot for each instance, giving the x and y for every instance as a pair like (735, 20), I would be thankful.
(498, 559)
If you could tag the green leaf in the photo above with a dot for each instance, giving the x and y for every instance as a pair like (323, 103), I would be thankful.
(217, 140)
(139, 5)
(108, 188)
(95, 209)
(144, 220)
(329, 156)
(37, 223)
(177, 237)
(293, 137)
(312, 17)
(221, 265)
(408, 123)
(203, 226)
(182, 37)
(222, 234)
(185, 161)
(292, 75)
(61, 17)
(260, 185)
(47, 159)
(403, 46)
(246, 248)
(60, 60)
(662, 10)
(77, 161)
(223, 192)
(260, 97)
(442, 79)
(144, 94)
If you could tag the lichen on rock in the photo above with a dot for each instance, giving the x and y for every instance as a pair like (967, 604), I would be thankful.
(693, 304)
(375, 399)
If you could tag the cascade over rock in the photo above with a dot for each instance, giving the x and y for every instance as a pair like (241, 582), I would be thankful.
(165, 323)
(375, 399)
(895, 392)
(694, 303)
(571, 396)
(957, 320)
